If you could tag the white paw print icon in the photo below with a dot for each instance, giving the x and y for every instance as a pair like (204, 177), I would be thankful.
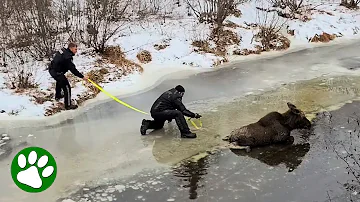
(31, 176)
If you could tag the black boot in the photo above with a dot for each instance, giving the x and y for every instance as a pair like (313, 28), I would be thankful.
(144, 126)
(183, 127)
(188, 135)
(58, 98)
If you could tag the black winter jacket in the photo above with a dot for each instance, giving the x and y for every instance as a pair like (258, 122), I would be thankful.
(63, 62)
(170, 100)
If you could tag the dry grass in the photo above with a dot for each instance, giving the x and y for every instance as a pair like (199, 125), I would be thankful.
(144, 56)
(202, 46)
(20, 79)
(324, 37)
(247, 51)
(162, 45)
(237, 13)
(278, 43)
(85, 96)
(97, 76)
(54, 109)
(271, 39)
(41, 97)
(231, 24)
(116, 56)
(223, 38)
(282, 43)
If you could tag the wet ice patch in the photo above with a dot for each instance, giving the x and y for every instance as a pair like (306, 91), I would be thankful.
(111, 190)
(252, 186)
(120, 188)
(4, 137)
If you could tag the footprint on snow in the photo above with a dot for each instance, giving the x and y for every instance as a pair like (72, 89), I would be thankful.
(31, 175)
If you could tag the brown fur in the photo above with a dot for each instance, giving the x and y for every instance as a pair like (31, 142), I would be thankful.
(270, 129)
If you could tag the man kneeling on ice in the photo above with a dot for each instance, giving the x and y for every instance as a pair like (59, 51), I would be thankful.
(169, 106)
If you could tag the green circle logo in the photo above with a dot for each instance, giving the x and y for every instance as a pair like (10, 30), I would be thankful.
(33, 169)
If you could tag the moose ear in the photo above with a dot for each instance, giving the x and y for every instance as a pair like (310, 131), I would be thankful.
(291, 106)
(295, 111)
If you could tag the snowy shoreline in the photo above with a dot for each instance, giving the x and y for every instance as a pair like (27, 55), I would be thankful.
(182, 72)
(176, 55)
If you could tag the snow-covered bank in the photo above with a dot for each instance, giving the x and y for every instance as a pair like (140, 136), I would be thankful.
(169, 42)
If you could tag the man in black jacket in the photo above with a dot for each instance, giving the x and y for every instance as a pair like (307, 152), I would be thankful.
(167, 107)
(61, 63)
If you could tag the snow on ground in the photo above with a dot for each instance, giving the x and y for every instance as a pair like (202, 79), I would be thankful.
(334, 20)
(176, 35)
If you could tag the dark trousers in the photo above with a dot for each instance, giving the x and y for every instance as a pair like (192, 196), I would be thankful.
(63, 84)
(167, 115)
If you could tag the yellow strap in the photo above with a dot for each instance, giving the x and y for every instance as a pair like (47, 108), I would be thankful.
(117, 100)
(193, 123)
(133, 108)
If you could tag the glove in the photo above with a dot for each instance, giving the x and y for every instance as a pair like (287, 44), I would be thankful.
(197, 116)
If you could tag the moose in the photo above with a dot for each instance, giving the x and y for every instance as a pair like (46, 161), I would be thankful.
(273, 128)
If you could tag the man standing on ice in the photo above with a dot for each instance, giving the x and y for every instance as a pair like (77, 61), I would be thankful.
(61, 63)
(167, 107)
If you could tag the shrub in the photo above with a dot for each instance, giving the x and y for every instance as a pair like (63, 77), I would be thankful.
(144, 56)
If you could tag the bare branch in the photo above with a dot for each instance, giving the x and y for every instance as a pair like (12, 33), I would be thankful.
(211, 11)
(104, 20)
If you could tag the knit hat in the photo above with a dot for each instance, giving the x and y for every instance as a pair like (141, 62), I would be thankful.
(180, 88)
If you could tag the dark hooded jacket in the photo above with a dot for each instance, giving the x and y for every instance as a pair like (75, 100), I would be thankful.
(171, 100)
(63, 62)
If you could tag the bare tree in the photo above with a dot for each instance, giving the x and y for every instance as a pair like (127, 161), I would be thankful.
(5, 14)
(224, 9)
(270, 25)
(144, 8)
(70, 14)
(213, 10)
(104, 18)
(19, 75)
(294, 5)
(36, 27)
